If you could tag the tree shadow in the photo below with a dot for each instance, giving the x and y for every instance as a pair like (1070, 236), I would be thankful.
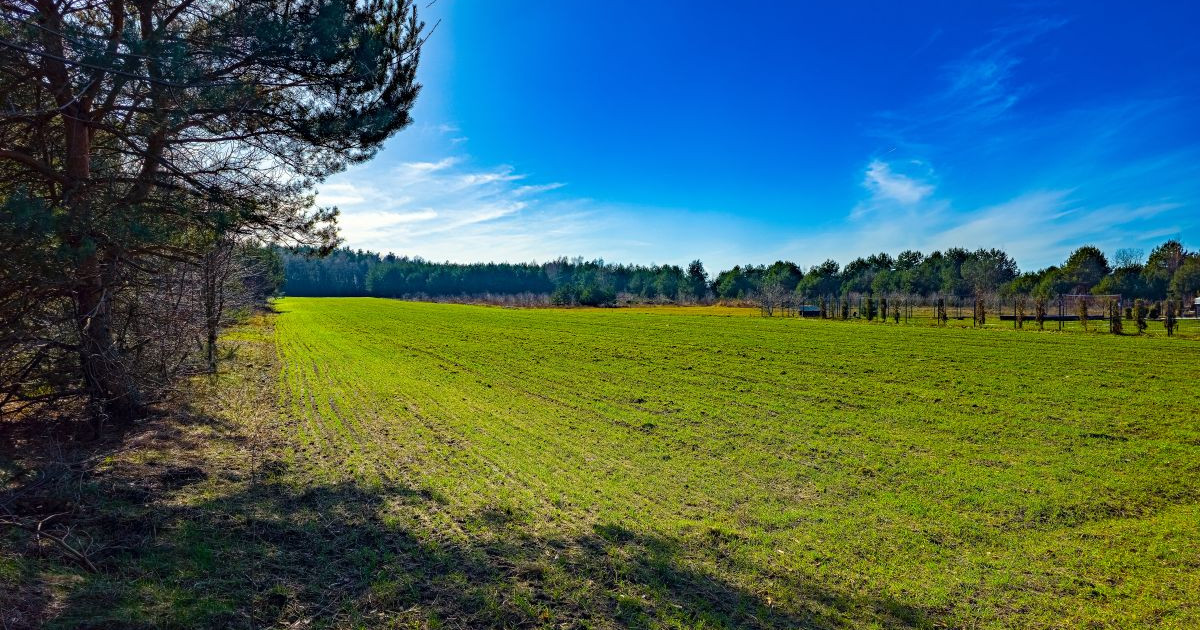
(191, 544)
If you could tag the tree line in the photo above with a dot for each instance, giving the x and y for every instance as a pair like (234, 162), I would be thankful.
(561, 281)
(1168, 271)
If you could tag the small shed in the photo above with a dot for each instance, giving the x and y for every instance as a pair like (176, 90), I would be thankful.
(1196, 307)
(815, 311)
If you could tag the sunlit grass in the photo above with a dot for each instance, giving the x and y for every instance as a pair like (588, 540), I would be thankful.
(968, 476)
(362, 463)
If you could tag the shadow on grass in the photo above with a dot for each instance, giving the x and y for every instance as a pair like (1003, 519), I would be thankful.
(191, 545)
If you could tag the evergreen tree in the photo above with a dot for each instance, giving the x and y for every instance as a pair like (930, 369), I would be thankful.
(155, 123)
(697, 281)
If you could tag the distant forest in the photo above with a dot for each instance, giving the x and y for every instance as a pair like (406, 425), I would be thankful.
(1169, 271)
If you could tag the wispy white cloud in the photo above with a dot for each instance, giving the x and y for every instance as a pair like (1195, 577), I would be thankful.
(429, 197)
(451, 209)
(504, 174)
(886, 184)
(397, 207)
(360, 223)
(1037, 228)
(453, 132)
(981, 85)
(1051, 212)
(979, 88)
(929, 41)
(340, 194)
(430, 167)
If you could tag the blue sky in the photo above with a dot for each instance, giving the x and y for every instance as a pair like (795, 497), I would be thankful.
(660, 132)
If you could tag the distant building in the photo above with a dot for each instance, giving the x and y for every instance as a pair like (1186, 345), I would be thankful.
(1196, 307)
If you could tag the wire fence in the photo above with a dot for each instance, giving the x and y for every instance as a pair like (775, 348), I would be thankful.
(1063, 312)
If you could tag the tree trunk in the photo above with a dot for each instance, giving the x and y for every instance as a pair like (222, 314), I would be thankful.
(112, 394)
(111, 390)
(211, 348)
(212, 323)
(215, 269)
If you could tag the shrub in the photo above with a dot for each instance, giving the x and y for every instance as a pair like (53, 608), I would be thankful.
(1170, 319)
(1114, 317)
(1039, 311)
(1139, 314)
(564, 295)
(1081, 309)
(595, 295)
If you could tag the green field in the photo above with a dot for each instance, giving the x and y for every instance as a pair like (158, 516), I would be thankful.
(677, 467)
(365, 463)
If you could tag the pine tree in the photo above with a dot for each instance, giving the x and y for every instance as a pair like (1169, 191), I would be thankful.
(159, 125)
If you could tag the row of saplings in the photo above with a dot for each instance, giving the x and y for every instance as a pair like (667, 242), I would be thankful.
(1140, 312)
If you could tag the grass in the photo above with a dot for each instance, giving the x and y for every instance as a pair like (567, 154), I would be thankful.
(374, 463)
